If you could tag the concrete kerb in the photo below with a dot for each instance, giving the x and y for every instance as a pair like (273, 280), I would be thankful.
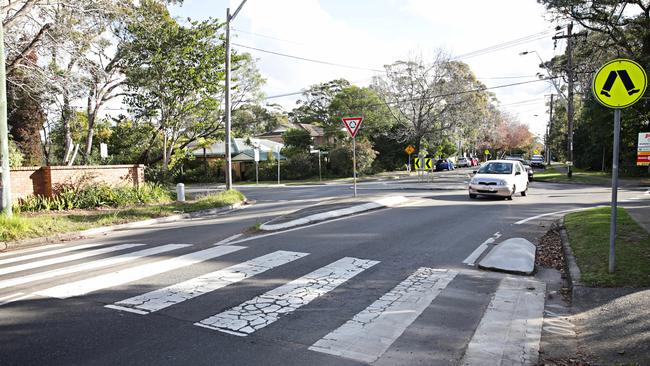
(28, 243)
(373, 205)
(572, 269)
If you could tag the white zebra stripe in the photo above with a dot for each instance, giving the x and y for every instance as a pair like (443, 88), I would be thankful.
(265, 309)
(175, 294)
(135, 273)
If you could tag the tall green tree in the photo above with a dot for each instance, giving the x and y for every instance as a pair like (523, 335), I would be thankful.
(172, 73)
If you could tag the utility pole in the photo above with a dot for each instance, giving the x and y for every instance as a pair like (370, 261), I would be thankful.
(569, 55)
(548, 134)
(229, 18)
(4, 133)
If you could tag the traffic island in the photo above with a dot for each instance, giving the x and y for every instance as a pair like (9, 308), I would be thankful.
(514, 255)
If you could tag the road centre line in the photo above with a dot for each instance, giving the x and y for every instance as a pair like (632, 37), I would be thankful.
(48, 253)
(106, 262)
(372, 331)
(180, 292)
(267, 308)
(471, 259)
(131, 274)
(67, 258)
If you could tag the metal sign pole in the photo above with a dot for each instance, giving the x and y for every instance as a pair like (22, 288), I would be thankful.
(354, 163)
(278, 149)
(408, 167)
(320, 175)
(257, 172)
(612, 225)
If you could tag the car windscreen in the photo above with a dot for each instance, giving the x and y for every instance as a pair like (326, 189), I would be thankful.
(496, 168)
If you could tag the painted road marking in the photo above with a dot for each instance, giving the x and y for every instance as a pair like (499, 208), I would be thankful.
(228, 239)
(372, 331)
(67, 258)
(90, 265)
(555, 213)
(265, 309)
(13, 298)
(134, 273)
(29, 250)
(511, 327)
(175, 294)
(48, 253)
(471, 259)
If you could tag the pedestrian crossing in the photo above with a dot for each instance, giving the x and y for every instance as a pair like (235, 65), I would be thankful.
(510, 327)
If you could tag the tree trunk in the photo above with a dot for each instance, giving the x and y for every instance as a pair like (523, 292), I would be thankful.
(92, 114)
(66, 117)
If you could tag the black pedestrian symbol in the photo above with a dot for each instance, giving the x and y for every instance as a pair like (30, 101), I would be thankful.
(625, 78)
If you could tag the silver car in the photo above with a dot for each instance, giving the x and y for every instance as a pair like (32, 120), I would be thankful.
(501, 178)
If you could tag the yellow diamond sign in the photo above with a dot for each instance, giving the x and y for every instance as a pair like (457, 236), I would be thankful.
(409, 149)
(619, 83)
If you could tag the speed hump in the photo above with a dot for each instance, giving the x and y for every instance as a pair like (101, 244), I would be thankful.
(619, 83)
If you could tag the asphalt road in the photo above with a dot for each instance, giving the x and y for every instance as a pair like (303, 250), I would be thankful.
(387, 287)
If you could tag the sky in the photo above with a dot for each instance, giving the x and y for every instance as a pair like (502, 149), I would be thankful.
(366, 35)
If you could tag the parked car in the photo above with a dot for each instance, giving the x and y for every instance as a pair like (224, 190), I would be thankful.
(444, 164)
(501, 178)
(463, 162)
(537, 161)
(526, 165)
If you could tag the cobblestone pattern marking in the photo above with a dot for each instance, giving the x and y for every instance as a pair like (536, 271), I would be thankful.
(265, 309)
(177, 293)
(371, 332)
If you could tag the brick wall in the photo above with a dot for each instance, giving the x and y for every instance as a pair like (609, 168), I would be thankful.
(46, 181)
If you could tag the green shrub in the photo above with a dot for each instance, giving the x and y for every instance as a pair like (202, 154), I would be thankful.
(299, 166)
(93, 196)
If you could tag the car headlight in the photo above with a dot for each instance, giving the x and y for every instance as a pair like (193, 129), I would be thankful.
(501, 182)
(473, 181)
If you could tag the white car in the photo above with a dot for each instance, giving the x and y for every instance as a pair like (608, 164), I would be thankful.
(502, 178)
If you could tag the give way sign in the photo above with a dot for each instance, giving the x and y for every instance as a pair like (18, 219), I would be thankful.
(352, 124)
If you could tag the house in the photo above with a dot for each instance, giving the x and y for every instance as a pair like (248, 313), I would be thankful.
(317, 133)
(242, 152)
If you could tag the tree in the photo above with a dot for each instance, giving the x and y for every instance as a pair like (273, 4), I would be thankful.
(170, 73)
(315, 102)
(297, 140)
(428, 100)
(355, 101)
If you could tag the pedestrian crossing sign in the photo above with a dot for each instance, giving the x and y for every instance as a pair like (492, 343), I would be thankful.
(619, 83)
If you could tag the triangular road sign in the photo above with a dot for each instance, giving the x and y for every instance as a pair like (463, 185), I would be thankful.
(352, 124)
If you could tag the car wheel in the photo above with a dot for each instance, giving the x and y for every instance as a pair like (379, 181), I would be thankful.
(472, 195)
(514, 189)
(525, 191)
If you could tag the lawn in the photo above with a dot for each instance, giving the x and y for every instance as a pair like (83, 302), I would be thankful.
(34, 225)
(588, 233)
(558, 175)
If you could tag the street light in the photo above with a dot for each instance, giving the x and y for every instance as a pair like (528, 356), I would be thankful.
(548, 73)
(229, 18)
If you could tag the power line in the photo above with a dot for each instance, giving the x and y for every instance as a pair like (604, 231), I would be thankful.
(265, 36)
(306, 59)
(504, 45)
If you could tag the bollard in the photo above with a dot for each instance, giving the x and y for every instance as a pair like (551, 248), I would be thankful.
(180, 192)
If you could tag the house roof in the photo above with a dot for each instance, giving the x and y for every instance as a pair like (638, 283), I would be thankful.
(314, 131)
(238, 146)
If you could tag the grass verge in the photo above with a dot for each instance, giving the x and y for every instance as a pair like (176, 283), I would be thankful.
(552, 174)
(588, 233)
(31, 225)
